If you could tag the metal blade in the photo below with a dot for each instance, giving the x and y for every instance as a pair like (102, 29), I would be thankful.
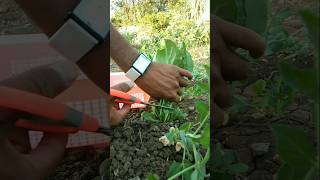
(165, 107)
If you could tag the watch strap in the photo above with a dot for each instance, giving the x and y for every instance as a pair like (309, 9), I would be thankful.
(132, 74)
(72, 41)
(87, 26)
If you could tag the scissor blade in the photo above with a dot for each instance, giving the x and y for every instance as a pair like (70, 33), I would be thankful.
(165, 107)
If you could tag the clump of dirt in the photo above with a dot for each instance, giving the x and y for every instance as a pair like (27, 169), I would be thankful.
(136, 150)
(80, 164)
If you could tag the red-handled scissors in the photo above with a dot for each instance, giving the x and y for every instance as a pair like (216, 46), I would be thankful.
(48, 115)
(126, 98)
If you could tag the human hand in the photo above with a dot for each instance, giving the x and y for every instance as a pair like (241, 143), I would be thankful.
(164, 81)
(228, 65)
(18, 160)
(117, 115)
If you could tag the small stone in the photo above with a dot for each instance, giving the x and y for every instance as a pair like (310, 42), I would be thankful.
(259, 149)
(300, 115)
(191, 108)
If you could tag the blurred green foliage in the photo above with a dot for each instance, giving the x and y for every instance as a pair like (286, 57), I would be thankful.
(146, 23)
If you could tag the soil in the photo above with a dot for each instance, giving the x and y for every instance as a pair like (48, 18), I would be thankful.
(135, 148)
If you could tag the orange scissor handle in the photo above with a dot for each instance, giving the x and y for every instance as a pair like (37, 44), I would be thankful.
(46, 108)
(124, 96)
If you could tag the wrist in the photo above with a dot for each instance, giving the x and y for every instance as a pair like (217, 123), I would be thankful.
(139, 67)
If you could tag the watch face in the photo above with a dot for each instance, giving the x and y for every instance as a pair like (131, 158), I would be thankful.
(94, 13)
(142, 63)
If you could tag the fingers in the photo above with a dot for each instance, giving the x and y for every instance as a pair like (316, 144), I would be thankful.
(47, 155)
(117, 116)
(183, 82)
(184, 73)
(220, 89)
(233, 67)
(239, 36)
(47, 80)
(218, 117)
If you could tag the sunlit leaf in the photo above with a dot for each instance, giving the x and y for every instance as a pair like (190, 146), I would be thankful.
(153, 177)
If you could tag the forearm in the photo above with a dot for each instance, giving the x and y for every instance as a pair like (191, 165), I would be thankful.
(49, 16)
(121, 51)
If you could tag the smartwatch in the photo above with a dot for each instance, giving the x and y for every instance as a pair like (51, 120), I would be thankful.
(84, 28)
(139, 67)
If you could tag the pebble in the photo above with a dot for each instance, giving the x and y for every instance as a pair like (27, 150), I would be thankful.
(191, 108)
(259, 149)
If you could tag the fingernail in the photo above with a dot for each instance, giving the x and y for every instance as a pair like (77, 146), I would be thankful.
(68, 71)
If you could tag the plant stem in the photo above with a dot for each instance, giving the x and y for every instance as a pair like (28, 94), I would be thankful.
(181, 172)
(202, 123)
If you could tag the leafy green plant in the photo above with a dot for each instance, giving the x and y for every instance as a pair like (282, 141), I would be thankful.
(179, 56)
(224, 164)
(300, 159)
(176, 55)
(162, 115)
(191, 138)
(265, 97)
(299, 155)
(157, 20)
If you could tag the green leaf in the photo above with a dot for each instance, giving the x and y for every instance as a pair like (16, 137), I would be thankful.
(202, 109)
(226, 9)
(312, 22)
(168, 54)
(256, 15)
(205, 137)
(259, 86)
(285, 172)
(174, 169)
(147, 116)
(238, 168)
(153, 177)
(294, 148)
(170, 136)
(197, 136)
(229, 157)
(217, 158)
(186, 126)
(301, 79)
(195, 175)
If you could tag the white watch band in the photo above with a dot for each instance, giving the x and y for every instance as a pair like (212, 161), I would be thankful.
(74, 46)
(132, 74)
(139, 67)
(87, 26)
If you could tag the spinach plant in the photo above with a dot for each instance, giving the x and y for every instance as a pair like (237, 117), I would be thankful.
(300, 158)
(179, 56)
(192, 138)
(224, 164)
